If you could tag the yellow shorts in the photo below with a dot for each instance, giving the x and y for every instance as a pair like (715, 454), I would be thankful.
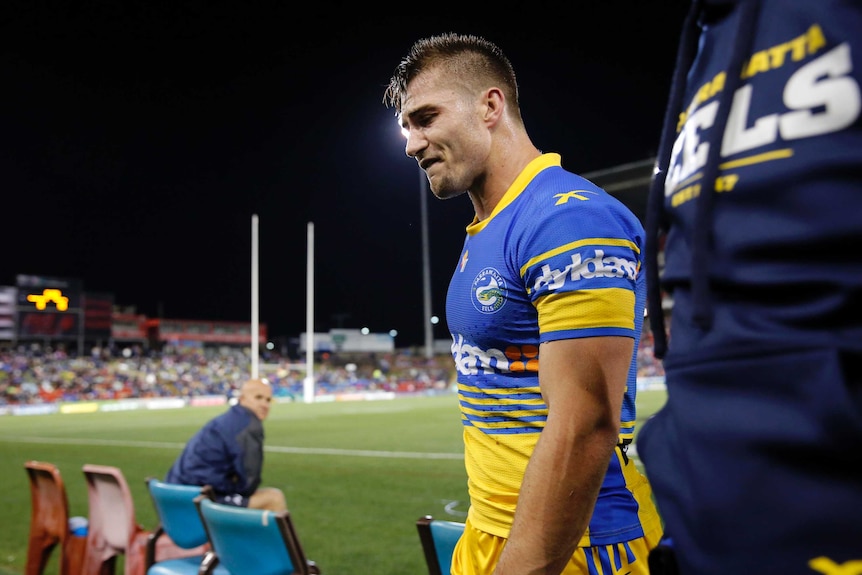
(477, 553)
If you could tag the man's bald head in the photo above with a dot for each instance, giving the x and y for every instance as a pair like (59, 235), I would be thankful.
(256, 395)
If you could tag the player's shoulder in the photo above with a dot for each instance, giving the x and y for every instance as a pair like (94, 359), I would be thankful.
(558, 191)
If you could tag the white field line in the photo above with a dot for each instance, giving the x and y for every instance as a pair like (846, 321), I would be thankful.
(272, 448)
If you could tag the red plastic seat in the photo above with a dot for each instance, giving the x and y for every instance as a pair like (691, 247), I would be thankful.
(113, 529)
(49, 522)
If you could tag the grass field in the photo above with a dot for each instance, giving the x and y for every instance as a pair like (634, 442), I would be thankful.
(357, 475)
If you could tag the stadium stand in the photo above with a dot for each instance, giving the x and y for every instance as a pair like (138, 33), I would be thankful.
(43, 376)
(36, 375)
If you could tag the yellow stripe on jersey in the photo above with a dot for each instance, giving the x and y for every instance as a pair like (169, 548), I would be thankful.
(531, 426)
(520, 408)
(500, 391)
(532, 406)
(547, 160)
(579, 244)
(627, 434)
(583, 309)
(524, 408)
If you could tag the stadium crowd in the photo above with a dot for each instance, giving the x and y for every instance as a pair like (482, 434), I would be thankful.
(37, 374)
(32, 374)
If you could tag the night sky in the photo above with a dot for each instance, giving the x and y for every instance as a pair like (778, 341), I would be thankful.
(139, 140)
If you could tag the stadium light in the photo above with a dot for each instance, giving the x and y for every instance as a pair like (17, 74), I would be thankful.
(426, 267)
(427, 318)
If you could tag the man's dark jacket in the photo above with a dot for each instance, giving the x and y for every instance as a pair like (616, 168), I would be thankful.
(226, 453)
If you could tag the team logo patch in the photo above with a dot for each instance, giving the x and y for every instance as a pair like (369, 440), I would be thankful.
(489, 291)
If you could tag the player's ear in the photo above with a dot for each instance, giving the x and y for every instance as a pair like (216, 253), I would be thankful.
(494, 103)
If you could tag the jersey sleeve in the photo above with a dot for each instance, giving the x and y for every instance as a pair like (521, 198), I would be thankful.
(582, 274)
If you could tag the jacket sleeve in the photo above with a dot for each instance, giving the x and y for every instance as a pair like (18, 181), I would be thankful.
(249, 457)
(209, 458)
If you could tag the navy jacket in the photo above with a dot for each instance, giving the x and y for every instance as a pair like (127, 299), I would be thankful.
(758, 181)
(226, 453)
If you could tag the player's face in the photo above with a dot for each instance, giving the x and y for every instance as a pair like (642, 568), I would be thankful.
(257, 397)
(442, 119)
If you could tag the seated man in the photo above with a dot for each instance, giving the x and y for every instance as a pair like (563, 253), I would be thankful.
(227, 453)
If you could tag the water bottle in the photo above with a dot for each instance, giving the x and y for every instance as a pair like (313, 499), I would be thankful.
(78, 526)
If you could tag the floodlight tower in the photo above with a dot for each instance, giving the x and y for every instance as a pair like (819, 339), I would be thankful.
(426, 266)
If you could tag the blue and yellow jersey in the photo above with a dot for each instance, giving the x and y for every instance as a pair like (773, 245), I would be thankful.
(558, 258)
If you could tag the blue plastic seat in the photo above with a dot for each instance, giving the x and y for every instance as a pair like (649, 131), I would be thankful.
(179, 520)
(438, 538)
(255, 541)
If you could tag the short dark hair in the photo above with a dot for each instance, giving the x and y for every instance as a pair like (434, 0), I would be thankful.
(465, 54)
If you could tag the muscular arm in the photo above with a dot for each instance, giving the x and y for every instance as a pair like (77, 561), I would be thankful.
(583, 382)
